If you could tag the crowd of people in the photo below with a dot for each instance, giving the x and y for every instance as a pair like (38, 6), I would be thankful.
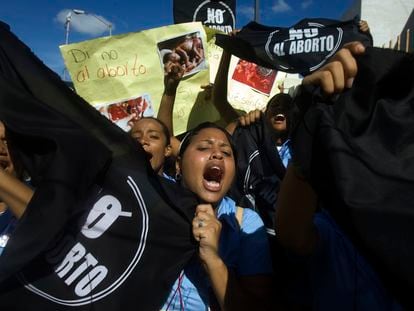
(264, 243)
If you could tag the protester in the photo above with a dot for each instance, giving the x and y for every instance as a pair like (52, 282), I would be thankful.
(263, 149)
(14, 195)
(340, 278)
(208, 171)
(233, 257)
(172, 78)
(154, 137)
(262, 143)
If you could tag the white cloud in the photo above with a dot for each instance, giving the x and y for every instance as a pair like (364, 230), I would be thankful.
(247, 11)
(281, 6)
(88, 23)
(305, 4)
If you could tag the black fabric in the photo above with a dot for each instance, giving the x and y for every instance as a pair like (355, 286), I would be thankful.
(259, 169)
(102, 232)
(358, 154)
(301, 48)
(220, 15)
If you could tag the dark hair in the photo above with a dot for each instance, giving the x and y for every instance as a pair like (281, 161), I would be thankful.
(205, 125)
(14, 155)
(280, 103)
(165, 130)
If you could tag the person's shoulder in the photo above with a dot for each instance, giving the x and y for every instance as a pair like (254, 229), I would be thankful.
(331, 238)
(325, 224)
(251, 221)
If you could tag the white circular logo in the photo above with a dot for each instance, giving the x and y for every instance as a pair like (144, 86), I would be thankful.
(215, 14)
(80, 263)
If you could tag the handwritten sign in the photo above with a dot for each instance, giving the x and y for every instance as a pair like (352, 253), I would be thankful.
(114, 70)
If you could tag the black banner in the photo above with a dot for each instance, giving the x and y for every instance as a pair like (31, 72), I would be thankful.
(220, 15)
(357, 153)
(101, 231)
(302, 48)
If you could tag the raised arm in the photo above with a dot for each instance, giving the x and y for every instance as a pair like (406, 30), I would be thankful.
(297, 201)
(220, 90)
(173, 75)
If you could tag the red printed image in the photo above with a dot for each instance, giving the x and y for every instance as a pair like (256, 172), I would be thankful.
(126, 112)
(255, 76)
(135, 107)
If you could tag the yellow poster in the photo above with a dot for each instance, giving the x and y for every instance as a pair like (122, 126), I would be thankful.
(123, 75)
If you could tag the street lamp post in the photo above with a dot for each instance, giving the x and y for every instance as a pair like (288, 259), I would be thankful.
(67, 26)
(82, 12)
(256, 10)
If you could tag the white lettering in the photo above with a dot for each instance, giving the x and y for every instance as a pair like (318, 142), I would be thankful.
(308, 45)
(292, 48)
(310, 32)
(278, 49)
(215, 16)
(330, 43)
(225, 29)
(102, 215)
(314, 45)
(210, 16)
(91, 280)
(295, 34)
(90, 261)
(74, 255)
(299, 47)
(322, 45)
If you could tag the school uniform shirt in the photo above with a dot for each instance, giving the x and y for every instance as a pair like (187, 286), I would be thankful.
(340, 277)
(244, 249)
(284, 153)
(260, 170)
(7, 224)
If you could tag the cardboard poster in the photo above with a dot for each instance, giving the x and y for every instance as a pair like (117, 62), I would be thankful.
(123, 75)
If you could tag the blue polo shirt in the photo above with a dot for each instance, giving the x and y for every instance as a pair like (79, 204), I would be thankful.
(7, 224)
(284, 152)
(339, 276)
(244, 250)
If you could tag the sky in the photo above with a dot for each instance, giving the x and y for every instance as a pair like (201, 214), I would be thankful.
(40, 24)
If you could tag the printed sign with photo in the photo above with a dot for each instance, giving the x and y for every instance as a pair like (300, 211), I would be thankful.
(257, 77)
(125, 112)
(116, 68)
(186, 51)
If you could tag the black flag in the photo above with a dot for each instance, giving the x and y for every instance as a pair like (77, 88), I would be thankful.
(101, 231)
(259, 170)
(220, 15)
(302, 48)
(357, 152)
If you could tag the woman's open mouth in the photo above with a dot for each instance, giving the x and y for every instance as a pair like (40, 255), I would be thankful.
(212, 177)
(147, 153)
(279, 118)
